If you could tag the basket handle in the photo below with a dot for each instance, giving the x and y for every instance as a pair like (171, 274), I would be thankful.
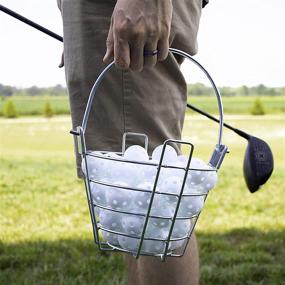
(219, 151)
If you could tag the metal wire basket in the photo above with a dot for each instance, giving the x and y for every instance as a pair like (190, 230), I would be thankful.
(147, 230)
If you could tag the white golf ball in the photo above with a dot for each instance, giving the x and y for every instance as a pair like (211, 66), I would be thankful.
(181, 229)
(171, 185)
(148, 172)
(175, 244)
(129, 243)
(210, 181)
(155, 232)
(153, 246)
(190, 206)
(142, 199)
(118, 198)
(97, 211)
(170, 154)
(177, 172)
(182, 160)
(194, 176)
(136, 153)
(149, 246)
(110, 238)
(132, 225)
(92, 165)
(164, 212)
(98, 194)
(116, 170)
(110, 220)
(126, 172)
(111, 164)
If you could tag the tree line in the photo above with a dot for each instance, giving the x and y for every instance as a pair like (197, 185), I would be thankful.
(196, 89)
(199, 89)
(7, 91)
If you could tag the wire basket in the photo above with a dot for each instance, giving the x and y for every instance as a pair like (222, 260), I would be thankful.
(143, 217)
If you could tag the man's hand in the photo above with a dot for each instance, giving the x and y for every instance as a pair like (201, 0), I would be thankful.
(138, 26)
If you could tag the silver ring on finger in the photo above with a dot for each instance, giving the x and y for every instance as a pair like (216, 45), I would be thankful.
(150, 52)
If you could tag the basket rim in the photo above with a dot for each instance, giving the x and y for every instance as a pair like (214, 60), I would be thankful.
(101, 155)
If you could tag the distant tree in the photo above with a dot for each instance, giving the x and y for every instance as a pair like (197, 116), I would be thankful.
(257, 108)
(57, 90)
(228, 91)
(48, 111)
(34, 90)
(244, 90)
(261, 89)
(6, 90)
(199, 89)
(9, 109)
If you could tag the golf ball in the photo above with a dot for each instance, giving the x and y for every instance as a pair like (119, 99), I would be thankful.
(132, 225)
(110, 238)
(210, 181)
(196, 177)
(181, 229)
(177, 172)
(129, 243)
(190, 206)
(177, 244)
(136, 153)
(171, 185)
(92, 165)
(97, 211)
(118, 198)
(154, 232)
(110, 220)
(170, 154)
(164, 212)
(149, 246)
(142, 199)
(98, 194)
(148, 172)
(153, 246)
(182, 160)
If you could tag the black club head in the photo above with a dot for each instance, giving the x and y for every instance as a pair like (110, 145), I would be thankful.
(258, 163)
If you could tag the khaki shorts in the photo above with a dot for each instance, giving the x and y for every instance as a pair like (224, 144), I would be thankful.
(151, 102)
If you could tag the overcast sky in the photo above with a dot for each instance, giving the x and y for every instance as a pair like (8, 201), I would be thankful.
(241, 42)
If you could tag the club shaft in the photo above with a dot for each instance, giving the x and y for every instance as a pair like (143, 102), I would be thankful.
(237, 131)
(30, 23)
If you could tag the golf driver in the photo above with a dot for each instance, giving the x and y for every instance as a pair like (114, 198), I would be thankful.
(258, 160)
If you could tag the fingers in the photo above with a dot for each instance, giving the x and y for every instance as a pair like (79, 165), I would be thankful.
(163, 49)
(150, 60)
(137, 57)
(121, 53)
(129, 52)
(109, 46)
(118, 48)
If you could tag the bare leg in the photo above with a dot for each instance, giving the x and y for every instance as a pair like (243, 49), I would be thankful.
(175, 271)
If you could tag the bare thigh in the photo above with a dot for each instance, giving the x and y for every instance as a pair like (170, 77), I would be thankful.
(175, 271)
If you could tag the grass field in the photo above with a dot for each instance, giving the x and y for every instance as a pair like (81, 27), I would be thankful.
(28, 105)
(45, 228)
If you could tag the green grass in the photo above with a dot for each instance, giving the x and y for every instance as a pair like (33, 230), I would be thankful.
(240, 104)
(34, 105)
(45, 229)
(28, 105)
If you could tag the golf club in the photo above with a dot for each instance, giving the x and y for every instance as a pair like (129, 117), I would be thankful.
(258, 160)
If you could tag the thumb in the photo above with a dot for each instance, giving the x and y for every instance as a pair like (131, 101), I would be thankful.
(109, 46)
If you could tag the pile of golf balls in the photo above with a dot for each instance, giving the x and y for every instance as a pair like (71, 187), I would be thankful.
(124, 230)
